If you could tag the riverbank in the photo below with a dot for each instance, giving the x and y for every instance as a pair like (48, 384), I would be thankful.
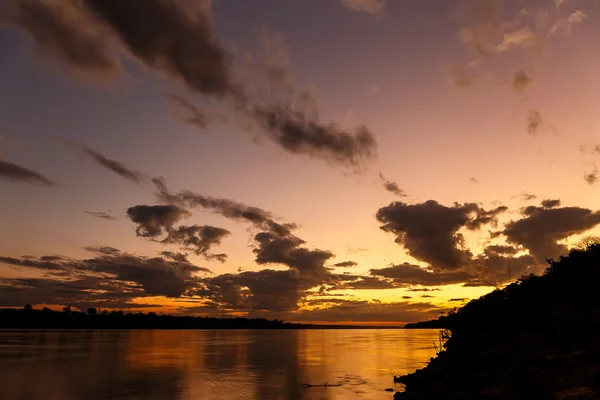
(538, 338)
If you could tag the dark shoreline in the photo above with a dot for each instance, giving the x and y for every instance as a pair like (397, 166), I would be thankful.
(28, 318)
(538, 338)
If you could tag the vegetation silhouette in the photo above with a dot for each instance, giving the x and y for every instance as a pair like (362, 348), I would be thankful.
(538, 338)
(30, 318)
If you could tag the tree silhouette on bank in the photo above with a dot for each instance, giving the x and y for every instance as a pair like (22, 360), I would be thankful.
(538, 338)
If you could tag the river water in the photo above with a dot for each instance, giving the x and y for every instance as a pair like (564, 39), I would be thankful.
(208, 364)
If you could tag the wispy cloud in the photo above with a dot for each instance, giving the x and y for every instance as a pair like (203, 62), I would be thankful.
(15, 173)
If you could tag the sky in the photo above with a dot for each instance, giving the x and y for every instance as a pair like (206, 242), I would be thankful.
(329, 161)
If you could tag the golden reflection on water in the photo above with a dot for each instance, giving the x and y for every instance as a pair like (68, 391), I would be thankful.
(207, 365)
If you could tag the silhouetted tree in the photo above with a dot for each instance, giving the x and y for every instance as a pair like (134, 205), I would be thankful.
(92, 311)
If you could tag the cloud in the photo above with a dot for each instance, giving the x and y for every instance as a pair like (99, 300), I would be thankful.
(592, 177)
(409, 275)
(534, 122)
(525, 196)
(153, 221)
(108, 274)
(462, 299)
(101, 215)
(361, 282)
(542, 228)
(265, 290)
(520, 81)
(473, 180)
(177, 40)
(429, 230)
(374, 7)
(190, 114)
(290, 117)
(524, 38)
(392, 187)
(345, 264)
(551, 203)
(365, 311)
(275, 243)
(114, 166)
(66, 31)
(566, 24)
(199, 239)
(298, 133)
(15, 173)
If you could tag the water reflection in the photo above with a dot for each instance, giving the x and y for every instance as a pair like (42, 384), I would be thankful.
(227, 365)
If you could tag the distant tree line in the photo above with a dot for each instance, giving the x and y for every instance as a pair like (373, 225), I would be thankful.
(30, 318)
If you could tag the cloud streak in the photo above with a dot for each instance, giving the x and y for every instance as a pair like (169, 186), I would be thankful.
(114, 166)
(17, 174)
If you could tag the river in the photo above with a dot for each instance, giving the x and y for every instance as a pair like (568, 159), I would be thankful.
(209, 364)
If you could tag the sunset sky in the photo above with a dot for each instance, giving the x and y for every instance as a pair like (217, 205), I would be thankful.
(340, 161)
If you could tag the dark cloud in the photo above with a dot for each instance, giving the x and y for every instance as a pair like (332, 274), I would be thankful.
(65, 31)
(275, 243)
(111, 272)
(101, 215)
(520, 81)
(423, 290)
(15, 173)
(499, 265)
(266, 290)
(392, 187)
(525, 197)
(175, 38)
(361, 282)
(81, 292)
(429, 231)
(550, 203)
(501, 249)
(199, 239)
(484, 217)
(365, 311)
(409, 275)
(273, 248)
(153, 221)
(428, 296)
(115, 166)
(459, 299)
(345, 264)
(407, 297)
(473, 180)
(180, 257)
(290, 117)
(230, 209)
(534, 122)
(541, 229)
(592, 177)
(190, 114)
(298, 133)
(44, 263)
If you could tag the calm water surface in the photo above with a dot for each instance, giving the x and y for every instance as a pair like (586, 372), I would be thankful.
(206, 365)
